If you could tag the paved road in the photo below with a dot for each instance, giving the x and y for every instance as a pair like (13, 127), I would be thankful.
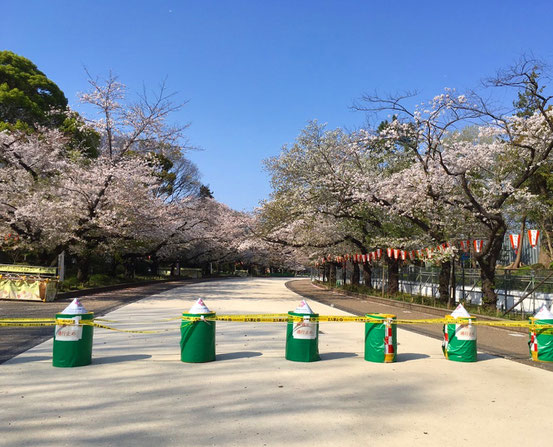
(496, 341)
(15, 340)
(137, 392)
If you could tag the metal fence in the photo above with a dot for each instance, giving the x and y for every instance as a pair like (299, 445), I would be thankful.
(511, 285)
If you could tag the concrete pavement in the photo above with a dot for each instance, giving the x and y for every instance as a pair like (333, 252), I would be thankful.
(510, 343)
(138, 393)
(15, 340)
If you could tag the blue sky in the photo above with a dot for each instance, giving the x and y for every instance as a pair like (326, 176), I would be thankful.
(256, 72)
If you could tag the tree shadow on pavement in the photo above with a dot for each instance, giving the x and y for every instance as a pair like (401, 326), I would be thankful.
(119, 358)
(237, 355)
(337, 355)
(410, 356)
(482, 357)
(30, 359)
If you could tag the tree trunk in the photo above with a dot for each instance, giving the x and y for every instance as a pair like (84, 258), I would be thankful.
(443, 281)
(548, 244)
(487, 274)
(45, 258)
(516, 264)
(452, 285)
(83, 268)
(155, 265)
(487, 262)
(113, 267)
(367, 274)
(393, 276)
(332, 275)
(326, 272)
(355, 276)
(129, 268)
(344, 273)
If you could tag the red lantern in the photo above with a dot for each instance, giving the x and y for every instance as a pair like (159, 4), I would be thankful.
(515, 241)
(533, 236)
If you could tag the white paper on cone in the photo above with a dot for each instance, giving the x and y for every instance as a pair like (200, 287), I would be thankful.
(543, 313)
(465, 332)
(305, 330)
(303, 308)
(69, 333)
(199, 308)
(74, 308)
(460, 311)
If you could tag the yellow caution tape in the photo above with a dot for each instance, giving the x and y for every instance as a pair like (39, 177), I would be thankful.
(250, 319)
(284, 318)
(128, 330)
(22, 320)
(30, 322)
(277, 318)
(16, 324)
(70, 322)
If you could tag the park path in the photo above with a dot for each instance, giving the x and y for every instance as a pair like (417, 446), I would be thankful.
(15, 340)
(138, 393)
(507, 343)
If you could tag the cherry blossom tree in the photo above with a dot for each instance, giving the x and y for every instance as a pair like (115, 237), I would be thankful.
(59, 199)
(481, 179)
(316, 201)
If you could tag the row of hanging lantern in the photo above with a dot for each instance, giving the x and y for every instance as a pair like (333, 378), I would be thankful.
(465, 245)
(10, 237)
(516, 239)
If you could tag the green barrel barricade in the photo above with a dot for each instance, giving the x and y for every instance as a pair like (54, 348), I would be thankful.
(197, 341)
(459, 343)
(73, 342)
(381, 339)
(302, 337)
(541, 340)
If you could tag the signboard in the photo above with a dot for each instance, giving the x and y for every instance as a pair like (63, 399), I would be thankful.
(19, 290)
(465, 332)
(305, 330)
(30, 290)
(69, 332)
(29, 269)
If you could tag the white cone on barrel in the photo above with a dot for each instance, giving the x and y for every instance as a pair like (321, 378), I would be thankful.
(199, 307)
(75, 308)
(543, 313)
(460, 312)
(303, 308)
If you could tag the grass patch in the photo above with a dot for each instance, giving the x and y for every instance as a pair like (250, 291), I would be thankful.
(101, 280)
